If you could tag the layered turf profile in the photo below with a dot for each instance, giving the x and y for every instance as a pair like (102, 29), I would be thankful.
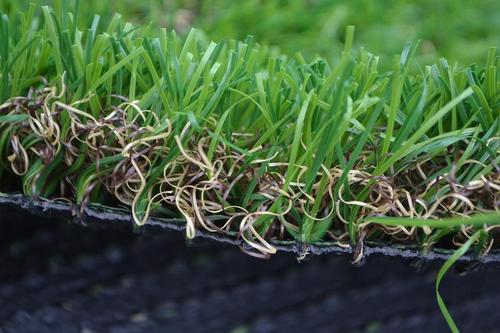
(235, 140)
(284, 148)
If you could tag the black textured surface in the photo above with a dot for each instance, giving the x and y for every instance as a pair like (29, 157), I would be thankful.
(61, 277)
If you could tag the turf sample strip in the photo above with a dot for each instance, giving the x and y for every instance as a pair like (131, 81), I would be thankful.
(284, 148)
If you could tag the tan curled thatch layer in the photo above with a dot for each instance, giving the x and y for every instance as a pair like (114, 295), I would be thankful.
(197, 186)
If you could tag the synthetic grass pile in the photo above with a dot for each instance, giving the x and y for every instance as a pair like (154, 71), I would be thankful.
(284, 148)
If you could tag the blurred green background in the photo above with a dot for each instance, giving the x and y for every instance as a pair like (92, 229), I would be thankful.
(460, 30)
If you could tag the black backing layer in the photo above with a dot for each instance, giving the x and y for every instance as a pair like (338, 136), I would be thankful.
(106, 216)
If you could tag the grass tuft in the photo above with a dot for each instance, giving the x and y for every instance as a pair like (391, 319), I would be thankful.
(284, 148)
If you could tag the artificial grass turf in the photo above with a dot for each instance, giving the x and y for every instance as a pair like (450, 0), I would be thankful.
(285, 148)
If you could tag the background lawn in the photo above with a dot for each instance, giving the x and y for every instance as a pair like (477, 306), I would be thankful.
(460, 30)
